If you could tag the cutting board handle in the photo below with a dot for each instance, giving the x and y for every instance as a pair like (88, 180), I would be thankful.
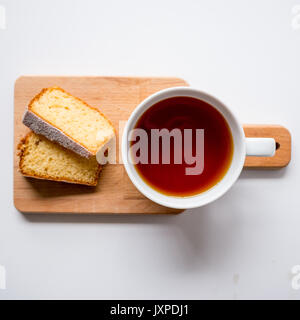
(279, 138)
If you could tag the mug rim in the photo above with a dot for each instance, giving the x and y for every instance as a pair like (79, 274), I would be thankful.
(201, 198)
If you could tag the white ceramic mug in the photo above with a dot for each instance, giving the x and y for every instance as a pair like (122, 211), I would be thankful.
(242, 146)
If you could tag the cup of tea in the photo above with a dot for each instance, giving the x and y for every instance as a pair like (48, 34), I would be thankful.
(183, 148)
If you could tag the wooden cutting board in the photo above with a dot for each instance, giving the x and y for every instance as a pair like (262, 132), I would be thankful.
(115, 194)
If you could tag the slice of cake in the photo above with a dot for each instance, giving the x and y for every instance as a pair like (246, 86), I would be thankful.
(60, 117)
(43, 159)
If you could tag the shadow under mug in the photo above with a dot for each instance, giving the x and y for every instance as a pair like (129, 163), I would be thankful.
(242, 147)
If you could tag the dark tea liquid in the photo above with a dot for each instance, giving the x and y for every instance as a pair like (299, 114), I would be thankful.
(187, 113)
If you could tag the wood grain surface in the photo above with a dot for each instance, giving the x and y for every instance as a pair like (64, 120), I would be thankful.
(115, 194)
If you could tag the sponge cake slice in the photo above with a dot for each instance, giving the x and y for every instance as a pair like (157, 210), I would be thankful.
(69, 121)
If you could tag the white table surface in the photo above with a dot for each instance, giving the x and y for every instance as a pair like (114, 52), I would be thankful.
(247, 53)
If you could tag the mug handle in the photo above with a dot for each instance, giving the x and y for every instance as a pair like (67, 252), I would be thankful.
(260, 147)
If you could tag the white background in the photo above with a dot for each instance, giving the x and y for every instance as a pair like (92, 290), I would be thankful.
(244, 245)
